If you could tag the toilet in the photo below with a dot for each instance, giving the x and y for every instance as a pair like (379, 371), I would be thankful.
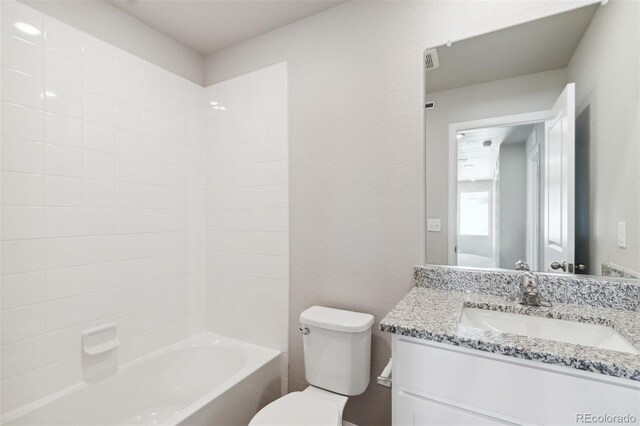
(337, 358)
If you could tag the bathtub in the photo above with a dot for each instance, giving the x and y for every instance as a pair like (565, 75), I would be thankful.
(204, 380)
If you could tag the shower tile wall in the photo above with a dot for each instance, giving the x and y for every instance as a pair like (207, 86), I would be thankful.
(248, 209)
(103, 198)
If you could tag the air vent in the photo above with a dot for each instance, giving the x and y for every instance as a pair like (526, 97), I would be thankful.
(431, 60)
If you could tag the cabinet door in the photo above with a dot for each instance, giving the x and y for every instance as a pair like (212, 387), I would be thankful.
(417, 411)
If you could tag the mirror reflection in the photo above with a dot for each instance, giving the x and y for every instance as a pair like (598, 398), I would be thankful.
(540, 125)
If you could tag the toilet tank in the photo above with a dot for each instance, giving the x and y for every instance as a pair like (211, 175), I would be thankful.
(337, 349)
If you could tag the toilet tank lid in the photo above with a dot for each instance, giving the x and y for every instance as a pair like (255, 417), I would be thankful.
(336, 319)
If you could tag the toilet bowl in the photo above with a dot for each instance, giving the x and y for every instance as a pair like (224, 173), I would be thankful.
(311, 407)
(337, 358)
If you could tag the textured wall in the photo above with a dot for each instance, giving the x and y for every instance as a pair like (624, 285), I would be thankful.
(608, 89)
(356, 153)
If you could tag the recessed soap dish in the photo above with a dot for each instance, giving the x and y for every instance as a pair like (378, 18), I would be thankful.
(99, 340)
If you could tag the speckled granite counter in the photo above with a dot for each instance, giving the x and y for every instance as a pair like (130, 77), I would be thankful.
(434, 314)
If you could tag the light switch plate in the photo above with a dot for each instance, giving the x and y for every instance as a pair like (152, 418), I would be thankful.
(622, 234)
(434, 225)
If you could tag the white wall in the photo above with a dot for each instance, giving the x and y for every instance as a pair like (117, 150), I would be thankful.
(110, 24)
(103, 158)
(533, 92)
(605, 68)
(248, 209)
(356, 152)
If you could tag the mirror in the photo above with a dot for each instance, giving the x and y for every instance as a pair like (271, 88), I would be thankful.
(540, 124)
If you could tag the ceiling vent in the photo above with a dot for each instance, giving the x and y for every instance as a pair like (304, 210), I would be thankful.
(431, 59)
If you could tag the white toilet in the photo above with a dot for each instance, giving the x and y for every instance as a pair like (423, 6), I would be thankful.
(337, 358)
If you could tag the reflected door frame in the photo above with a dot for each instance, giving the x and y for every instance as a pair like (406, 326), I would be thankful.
(454, 129)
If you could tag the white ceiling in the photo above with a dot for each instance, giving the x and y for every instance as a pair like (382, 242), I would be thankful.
(209, 26)
(536, 46)
(481, 161)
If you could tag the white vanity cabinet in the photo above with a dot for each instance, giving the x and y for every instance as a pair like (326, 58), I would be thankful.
(441, 384)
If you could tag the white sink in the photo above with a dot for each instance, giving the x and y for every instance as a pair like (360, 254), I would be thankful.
(578, 333)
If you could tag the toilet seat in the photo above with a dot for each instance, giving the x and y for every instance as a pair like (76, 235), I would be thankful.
(299, 409)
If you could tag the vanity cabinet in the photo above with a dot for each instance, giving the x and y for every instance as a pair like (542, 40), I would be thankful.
(441, 384)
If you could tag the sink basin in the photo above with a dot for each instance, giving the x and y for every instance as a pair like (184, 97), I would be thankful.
(577, 333)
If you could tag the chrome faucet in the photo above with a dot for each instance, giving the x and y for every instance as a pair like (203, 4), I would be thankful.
(529, 293)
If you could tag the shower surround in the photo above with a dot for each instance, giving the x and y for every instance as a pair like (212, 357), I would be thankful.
(117, 204)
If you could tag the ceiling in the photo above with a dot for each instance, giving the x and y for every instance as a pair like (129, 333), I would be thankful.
(477, 162)
(536, 46)
(210, 26)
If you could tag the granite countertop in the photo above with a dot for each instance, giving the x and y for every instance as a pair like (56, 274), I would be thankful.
(434, 314)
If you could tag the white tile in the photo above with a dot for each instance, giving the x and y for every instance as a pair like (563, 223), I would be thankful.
(128, 118)
(64, 373)
(129, 221)
(99, 109)
(99, 221)
(99, 77)
(99, 193)
(63, 343)
(22, 356)
(22, 256)
(274, 220)
(128, 90)
(22, 289)
(271, 149)
(23, 21)
(63, 38)
(63, 191)
(130, 349)
(98, 137)
(22, 55)
(21, 155)
(64, 282)
(99, 165)
(129, 169)
(99, 277)
(98, 50)
(22, 323)
(22, 89)
(63, 130)
(99, 305)
(63, 221)
(63, 68)
(99, 249)
(22, 189)
(129, 143)
(276, 267)
(63, 313)
(271, 243)
(62, 99)
(128, 65)
(269, 173)
(64, 252)
(128, 272)
(270, 196)
(21, 122)
(63, 160)
(271, 290)
(22, 222)
(23, 389)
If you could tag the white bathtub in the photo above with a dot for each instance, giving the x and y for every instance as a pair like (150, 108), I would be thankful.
(204, 380)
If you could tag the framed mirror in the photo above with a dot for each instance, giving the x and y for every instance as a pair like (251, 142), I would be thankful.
(540, 124)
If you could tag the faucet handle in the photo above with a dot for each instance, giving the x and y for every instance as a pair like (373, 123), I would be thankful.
(521, 265)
